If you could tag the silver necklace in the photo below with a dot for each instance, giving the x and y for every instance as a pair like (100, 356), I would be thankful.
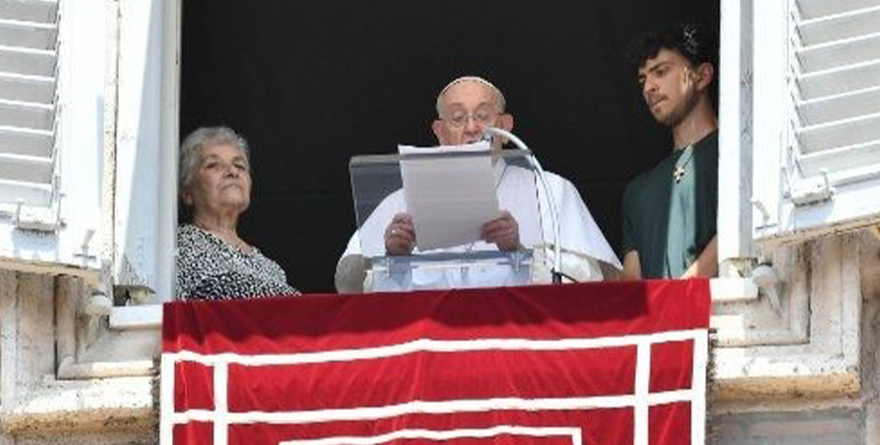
(682, 164)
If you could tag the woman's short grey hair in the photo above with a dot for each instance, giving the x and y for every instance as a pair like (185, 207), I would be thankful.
(191, 148)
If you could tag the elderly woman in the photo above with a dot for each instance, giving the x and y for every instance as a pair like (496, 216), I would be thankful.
(215, 188)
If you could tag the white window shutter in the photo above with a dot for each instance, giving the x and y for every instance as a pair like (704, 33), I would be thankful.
(28, 75)
(51, 142)
(817, 117)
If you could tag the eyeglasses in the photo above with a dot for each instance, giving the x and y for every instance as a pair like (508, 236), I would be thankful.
(482, 116)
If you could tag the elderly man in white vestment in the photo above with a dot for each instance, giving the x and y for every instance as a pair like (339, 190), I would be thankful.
(465, 108)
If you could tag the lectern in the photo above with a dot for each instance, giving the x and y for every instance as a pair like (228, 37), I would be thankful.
(379, 193)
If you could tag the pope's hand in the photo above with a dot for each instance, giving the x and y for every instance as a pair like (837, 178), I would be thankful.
(503, 231)
(400, 235)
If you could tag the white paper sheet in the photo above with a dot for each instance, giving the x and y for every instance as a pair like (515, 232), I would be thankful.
(449, 198)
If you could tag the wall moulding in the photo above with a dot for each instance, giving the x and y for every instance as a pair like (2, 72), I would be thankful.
(809, 346)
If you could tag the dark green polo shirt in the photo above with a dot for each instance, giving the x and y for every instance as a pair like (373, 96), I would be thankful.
(670, 222)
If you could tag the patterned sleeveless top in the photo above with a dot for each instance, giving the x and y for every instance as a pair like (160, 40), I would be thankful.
(210, 269)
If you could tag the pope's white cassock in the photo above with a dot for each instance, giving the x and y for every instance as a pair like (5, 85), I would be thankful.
(583, 244)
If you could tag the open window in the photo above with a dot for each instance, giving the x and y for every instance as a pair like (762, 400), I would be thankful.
(798, 147)
(797, 140)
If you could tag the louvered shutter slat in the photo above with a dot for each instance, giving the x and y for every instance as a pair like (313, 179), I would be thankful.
(26, 142)
(858, 130)
(840, 107)
(23, 88)
(44, 11)
(25, 168)
(839, 27)
(840, 53)
(27, 61)
(33, 116)
(844, 158)
(838, 81)
(810, 9)
(28, 34)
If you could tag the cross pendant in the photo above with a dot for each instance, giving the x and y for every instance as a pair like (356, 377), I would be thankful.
(678, 173)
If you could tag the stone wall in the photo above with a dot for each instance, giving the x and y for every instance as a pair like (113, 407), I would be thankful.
(802, 419)
(67, 378)
(835, 426)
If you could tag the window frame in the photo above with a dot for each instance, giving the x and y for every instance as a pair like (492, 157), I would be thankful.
(734, 226)
(147, 76)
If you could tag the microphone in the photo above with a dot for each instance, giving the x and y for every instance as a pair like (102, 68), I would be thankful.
(556, 272)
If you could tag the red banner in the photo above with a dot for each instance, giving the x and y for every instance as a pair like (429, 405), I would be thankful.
(613, 363)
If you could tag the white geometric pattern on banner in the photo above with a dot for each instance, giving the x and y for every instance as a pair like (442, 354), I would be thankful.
(640, 401)
(488, 433)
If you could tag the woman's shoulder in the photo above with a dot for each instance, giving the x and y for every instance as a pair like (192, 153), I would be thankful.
(189, 232)
(198, 259)
(193, 239)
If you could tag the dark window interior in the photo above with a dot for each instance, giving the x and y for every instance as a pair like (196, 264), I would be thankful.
(312, 83)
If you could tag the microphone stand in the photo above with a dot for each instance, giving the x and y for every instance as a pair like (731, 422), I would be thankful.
(556, 271)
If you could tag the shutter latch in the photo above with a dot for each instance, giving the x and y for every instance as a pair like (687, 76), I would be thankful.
(38, 219)
(811, 190)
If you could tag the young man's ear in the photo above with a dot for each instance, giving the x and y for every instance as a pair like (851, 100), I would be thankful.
(705, 75)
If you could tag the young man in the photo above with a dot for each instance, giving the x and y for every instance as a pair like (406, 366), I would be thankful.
(465, 108)
(669, 212)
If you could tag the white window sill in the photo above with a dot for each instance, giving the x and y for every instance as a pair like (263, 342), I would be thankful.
(147, 316)
(733, 290)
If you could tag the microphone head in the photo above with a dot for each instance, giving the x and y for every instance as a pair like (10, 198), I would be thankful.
(494, 134)
(490, 134)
